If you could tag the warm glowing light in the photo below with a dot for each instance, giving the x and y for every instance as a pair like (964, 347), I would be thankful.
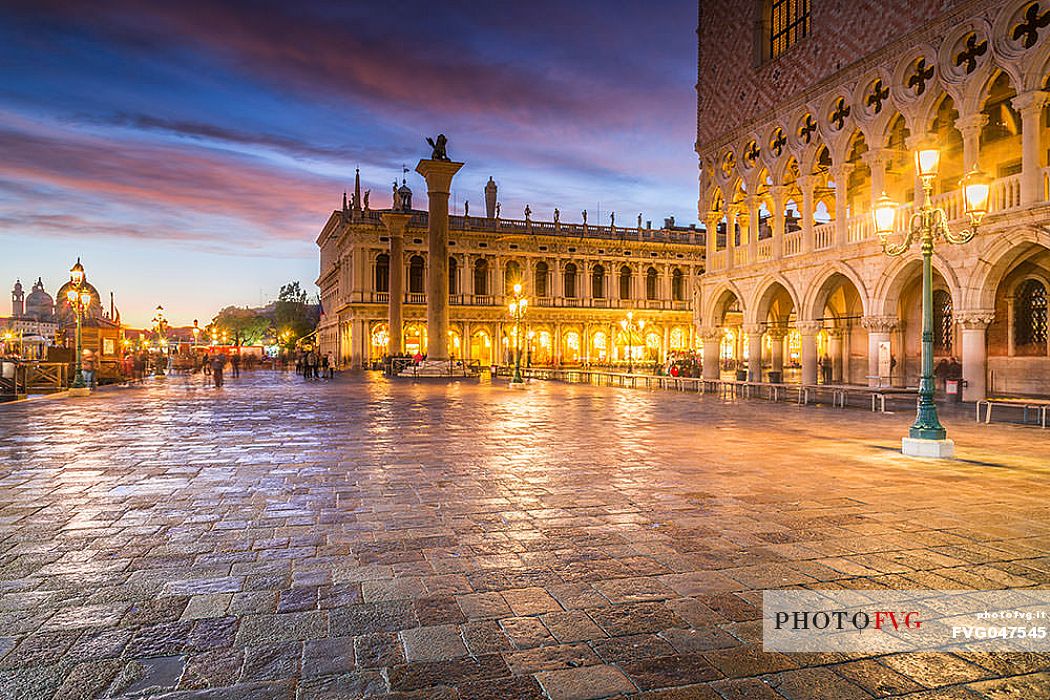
(517, 288)
(927, 161)
(85, 299)
(76, 274)
(884, 213)
(71, 295)
(976, 187)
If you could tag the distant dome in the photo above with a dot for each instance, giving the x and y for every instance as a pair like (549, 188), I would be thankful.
(405, 192)
(39, 304)
(65, 311)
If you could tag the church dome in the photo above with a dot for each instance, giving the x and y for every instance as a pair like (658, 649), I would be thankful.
(94, 308)
(39, 304)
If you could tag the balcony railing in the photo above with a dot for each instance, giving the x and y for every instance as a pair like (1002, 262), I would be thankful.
(413, 298)
(824, 236)
(740, 257)
(792, 244)
(765, 249)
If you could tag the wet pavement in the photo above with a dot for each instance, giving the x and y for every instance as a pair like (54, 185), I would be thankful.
(276, 539)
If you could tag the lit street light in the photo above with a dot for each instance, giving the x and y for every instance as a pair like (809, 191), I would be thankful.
(630, 327)
(927, 437)
(517, 311)
(160, 329)
(79, 299)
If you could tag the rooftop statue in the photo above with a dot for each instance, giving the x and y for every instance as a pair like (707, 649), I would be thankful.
(439, 147)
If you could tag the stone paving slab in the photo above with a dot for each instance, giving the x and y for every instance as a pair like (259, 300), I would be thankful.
(283, 540)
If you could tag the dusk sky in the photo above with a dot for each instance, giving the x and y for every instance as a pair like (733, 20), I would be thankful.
(189, 152)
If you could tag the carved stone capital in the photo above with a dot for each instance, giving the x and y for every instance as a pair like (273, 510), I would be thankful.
(975, 319)
(777, 333)
(753, 329)
(880, 324)
(808, 327)
(1031, 101)
(971, 123)
(709, 334)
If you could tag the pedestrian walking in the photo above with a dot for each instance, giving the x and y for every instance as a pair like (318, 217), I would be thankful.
(826, 368)
(328, 365)
(218, 362)
(235, 363)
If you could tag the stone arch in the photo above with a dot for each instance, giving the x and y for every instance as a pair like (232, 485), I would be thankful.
(719, 301)
(766, 293)
(999, 259)
(816, 295)
(902, 272)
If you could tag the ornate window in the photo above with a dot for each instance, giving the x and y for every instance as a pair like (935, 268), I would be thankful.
(625, 282)
(1030, 319)
(651, 284)
(540, 283)
(481, 277)
(416, 275)
(382, 273)
(943, 322)
(570, 281)
(598, 282)
(788, 24)
(453, 276)
(677, 285)
(511, 277)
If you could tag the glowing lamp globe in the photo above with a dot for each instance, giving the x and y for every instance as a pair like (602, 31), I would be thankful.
(884, 212)
(976, 187)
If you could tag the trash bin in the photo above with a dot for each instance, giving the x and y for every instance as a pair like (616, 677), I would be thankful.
(741, 375)
(776, 377)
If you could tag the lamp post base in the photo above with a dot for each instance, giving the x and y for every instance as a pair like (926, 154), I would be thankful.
(517, 384)
(929, 449)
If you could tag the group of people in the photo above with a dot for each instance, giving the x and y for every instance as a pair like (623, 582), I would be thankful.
(314, 365)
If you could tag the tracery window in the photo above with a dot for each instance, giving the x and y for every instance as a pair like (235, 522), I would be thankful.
(1030, 330)
(788, 24)
(943, 322)
(650, 284)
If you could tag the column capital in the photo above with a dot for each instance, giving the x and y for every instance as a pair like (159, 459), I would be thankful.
(975, 319)
(880, 324)
(1031, 101)
(875, 157)
(395, 222)
(753, 329)
(808, 327)
(777, 332)
(972, 123)
(438, 174)
(841, 171)
(709, 333)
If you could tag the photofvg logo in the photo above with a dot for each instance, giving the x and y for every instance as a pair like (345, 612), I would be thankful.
(888, 621)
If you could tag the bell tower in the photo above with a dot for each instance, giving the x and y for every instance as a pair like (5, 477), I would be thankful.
(18, 300)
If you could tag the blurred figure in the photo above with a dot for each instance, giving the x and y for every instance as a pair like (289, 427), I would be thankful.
(218, 362)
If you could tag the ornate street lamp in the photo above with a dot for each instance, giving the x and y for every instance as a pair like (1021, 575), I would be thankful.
(160, 328)
(927, 437)
(517, 311)
(630, 326)
(79, 299)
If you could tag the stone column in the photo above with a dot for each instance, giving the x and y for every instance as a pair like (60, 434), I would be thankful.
(841, 175)
(876, 159)
(712, 350)
(776, 352)
(974, 325)
(970, 127)
(395, 223)
(754, 351)
(835, 353)
(556, 350)
(879, 329)
(777, 192)
(806, 184)
(666, 347)
(357, 343)
(1011, 310)
(438, 174)
(752, 229)
(1030, 106)
(712, 238)
(730, 237)
(808, 331)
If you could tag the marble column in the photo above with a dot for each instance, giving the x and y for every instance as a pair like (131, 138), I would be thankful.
(776, 351)
(974, 325)
(841, 175)
(754, 351)
(711, 242)
(730, 238)
(395, 223)
(835, 353)
(1030, 106)
(808, 331)
(806, 183)
(438, 174)
(879, 329)
(877, 159)
(712, 350)
(777, 192)
(970, 127)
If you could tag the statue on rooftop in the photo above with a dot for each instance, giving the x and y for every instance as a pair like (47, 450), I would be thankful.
(396, 201)
(367, 192)
(557, 215)
(439, 146)
(528, 212)
(497, 210)
(466, 208)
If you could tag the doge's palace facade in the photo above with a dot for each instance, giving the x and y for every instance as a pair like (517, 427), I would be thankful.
(808, 111)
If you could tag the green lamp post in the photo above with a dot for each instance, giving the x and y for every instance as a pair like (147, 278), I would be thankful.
(927, 437)
(79, 299)
(517, 307)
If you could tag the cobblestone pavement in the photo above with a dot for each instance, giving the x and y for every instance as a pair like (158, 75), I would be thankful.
(280, 540)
